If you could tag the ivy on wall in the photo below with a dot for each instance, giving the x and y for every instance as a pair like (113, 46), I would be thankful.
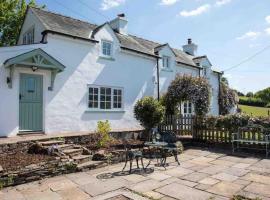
(227, 99)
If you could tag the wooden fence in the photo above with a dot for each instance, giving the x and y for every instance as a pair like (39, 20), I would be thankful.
(195, 127)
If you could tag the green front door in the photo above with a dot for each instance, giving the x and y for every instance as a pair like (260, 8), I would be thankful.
(31, 95)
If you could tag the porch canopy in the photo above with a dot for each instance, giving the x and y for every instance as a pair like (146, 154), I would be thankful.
(35, 59)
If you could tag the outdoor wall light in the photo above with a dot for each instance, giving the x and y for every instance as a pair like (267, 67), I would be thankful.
(34, 68)
(8, 80)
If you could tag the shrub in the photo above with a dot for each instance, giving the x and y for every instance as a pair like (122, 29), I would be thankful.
(149, 112)
(252, 101)
(188, 88)
(103, 130)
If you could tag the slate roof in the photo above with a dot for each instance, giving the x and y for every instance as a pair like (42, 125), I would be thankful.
(74, 27)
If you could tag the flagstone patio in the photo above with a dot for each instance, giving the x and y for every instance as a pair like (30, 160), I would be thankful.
(202, 175)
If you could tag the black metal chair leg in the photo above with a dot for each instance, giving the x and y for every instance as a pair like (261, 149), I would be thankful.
(125, 165)
(130, 165)
(142, 163)
(137, 161)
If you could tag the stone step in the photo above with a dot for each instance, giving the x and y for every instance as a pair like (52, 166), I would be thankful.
(73, 152)
(89, 164)
(82, 158)
(51, 142)
(65, 146)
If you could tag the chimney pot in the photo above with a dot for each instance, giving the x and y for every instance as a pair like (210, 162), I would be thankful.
(189, 41)
(121, 15)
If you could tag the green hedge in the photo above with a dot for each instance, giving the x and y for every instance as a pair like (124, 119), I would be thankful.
(231, 122)
(249, 101)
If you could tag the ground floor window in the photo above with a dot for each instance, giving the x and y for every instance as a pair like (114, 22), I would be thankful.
(187, 108)
(105, 98)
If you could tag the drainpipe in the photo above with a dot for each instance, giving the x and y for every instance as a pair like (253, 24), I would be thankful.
(158, 78)
(219, 93)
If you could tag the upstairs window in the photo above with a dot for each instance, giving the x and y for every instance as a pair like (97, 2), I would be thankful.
(28, 37)
(105, 98)
(166, 62)
(187, 108)
(106, 48)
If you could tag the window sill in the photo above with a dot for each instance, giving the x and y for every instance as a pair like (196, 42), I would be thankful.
(105, 111)
(107, 58)
(166, 70)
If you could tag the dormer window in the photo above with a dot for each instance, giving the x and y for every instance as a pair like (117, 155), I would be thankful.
(28, 37)
(166, 62)
(106, 48)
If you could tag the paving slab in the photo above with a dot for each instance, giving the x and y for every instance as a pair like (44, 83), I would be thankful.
(135, 178)
(225, 177)
(153, 195)
(214, 169)
(209, 181)
(226, 189)
(73, 193)
(202, 186)
(223, 163)
(159, 176)
(241, 165)
(258, 188)
(81, 178)
(234, 159)
(178, 171)
(179, 191)
(257, 178)
(146, 186)
(187, 183)
(242, 182)
(37, 195)
(236, 171)
(61, 185)
(12, 194)
(203, 159)
(116, 195)
(195, 177)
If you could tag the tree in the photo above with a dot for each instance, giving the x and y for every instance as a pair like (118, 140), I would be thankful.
(250, 94)
(264, 95)
(149, 112)
(11, 18)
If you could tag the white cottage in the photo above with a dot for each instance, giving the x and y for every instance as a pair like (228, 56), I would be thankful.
(65, 75)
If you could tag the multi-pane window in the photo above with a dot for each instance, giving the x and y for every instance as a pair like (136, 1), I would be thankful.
(117, 98)
(28, 37)
(166, 62)
(187, 108)
(105, 98)
(93, 97)
(106, 48)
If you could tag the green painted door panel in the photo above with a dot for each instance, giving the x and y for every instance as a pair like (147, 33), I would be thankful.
(31, 108)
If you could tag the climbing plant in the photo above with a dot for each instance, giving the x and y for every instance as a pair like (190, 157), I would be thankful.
(188, 88)
(227, 99)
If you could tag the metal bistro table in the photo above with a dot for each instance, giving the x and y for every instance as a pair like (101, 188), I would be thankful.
(157, 146)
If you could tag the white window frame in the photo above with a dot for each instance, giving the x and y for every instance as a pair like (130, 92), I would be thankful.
(29, 36)
(189, 106)
(112, 109)
(168, 62)
(111, 50)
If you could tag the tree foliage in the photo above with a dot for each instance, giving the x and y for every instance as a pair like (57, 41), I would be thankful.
(264, 95)
(11, 18)
(149, 112)
(227, 100)
(188, 88)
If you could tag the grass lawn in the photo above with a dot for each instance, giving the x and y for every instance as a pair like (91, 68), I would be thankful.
(254, 111)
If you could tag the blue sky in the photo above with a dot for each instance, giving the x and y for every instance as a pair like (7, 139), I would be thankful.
(228, 31)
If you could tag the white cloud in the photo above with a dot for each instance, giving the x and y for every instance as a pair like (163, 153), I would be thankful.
(168, 2)
(267, 19)
(195, 12)
(249, 35)
(267, 31)
(108, 4)
(222, 2)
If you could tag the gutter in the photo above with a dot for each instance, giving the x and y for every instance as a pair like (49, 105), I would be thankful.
(140, 52)
(44, 33)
